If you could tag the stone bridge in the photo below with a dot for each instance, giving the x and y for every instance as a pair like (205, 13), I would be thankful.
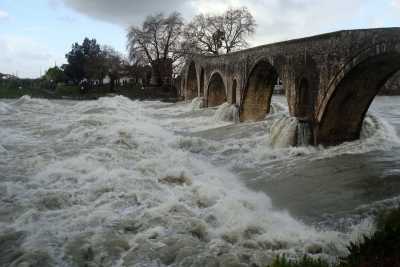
(330, 80)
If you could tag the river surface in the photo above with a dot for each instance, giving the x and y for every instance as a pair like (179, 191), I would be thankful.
(116, 182)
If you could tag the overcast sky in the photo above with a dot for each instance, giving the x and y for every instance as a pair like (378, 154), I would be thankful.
(36, 34)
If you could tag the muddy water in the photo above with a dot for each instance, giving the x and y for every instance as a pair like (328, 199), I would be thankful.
(116, 182)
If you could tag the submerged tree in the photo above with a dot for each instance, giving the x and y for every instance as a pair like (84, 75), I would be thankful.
(208, 34)
(156, 43)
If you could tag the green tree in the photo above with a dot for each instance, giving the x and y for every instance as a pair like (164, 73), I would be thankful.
(76, 60)
(55, 74)
(85, 61)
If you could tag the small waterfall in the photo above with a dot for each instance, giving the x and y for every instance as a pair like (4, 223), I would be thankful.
(197, 103)
(304, 134)
(236, 117)
(277, 108)
(227, 112)
(282, 131)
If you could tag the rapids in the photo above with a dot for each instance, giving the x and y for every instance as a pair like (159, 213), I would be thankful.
(115, 182)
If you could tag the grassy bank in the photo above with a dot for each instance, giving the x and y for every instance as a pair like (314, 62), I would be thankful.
(40, 89)
(21, 87)
(382, 249)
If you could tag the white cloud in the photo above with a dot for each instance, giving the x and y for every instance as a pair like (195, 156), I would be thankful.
(25, 56)
(396, 3)
(4, 15)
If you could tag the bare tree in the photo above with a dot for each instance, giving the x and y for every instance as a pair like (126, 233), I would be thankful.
(208, 34)
(157, 42)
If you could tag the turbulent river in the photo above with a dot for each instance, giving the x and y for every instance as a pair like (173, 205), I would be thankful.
(116, 182)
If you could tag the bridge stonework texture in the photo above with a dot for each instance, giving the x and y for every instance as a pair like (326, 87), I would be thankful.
(330, 80)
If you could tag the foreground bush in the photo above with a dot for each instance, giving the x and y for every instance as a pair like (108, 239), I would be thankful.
(382, 249)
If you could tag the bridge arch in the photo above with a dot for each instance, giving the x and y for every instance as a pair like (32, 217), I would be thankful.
(258, 91)
(216, 92)
(342, 111)
(191, 82)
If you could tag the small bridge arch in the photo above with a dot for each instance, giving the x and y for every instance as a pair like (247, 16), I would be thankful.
(216, 90)
(191, 82)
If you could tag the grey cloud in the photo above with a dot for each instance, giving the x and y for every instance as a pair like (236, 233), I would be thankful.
(126, 12)
(54, 4)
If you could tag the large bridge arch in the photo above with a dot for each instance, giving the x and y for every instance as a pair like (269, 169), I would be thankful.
(258, 91)
(216, 90)
(191, 82)
(342, 111)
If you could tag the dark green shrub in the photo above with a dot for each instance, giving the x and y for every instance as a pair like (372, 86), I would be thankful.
(382, 249)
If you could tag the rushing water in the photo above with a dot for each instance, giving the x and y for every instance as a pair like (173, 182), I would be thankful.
(116, 182)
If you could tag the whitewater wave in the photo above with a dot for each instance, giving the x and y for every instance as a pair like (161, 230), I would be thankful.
(5, 109)
(376, 135)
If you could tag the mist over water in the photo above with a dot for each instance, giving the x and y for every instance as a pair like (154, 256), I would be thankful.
(116, 182)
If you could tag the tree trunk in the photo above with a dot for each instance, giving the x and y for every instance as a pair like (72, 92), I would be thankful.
(155, 74)
(112, 84)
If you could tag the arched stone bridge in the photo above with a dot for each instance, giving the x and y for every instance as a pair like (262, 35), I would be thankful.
(330, 79)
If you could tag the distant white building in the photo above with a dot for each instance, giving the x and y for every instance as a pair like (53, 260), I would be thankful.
(7, 76)
(125, 79)
(106, 80)
(278, 88)
(122, 80)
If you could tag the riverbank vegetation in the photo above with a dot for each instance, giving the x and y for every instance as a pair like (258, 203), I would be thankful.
(382, 249)
(40, 88)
